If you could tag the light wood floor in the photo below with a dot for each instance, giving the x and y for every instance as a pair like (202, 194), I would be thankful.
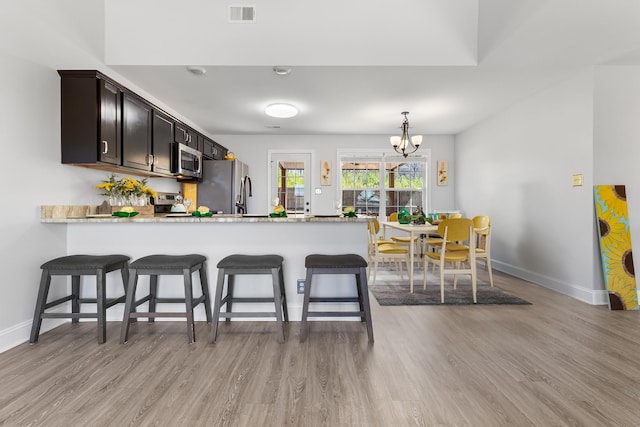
(557, 362)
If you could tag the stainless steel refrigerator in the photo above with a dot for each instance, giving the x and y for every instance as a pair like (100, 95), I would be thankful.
(225, 186)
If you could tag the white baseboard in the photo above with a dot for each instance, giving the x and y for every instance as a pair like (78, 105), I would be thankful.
(590, 296)
(19, 334)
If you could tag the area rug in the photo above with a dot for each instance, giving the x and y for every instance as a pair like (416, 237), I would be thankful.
(400, 295)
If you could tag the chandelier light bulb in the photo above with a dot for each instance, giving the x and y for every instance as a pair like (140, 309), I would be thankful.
(405, 144)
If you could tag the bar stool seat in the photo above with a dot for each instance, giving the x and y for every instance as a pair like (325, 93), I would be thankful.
(337, 264)
(238, 264)
(163, 265)
(76, 266)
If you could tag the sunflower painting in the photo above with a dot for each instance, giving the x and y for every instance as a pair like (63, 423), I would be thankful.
(615, 246)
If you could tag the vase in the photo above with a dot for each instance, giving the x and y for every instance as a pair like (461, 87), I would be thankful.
(404, 217)
(117, 200)
(135, 200)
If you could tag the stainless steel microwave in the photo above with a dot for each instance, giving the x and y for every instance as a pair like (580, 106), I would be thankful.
(186, 162)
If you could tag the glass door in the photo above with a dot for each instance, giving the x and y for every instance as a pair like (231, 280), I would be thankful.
(290, 182)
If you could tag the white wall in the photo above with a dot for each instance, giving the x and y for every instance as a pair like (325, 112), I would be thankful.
(517, 167)
(616, 136)
(253, 150)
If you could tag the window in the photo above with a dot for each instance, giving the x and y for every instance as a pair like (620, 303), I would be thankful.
(405, 186)
(379, 186)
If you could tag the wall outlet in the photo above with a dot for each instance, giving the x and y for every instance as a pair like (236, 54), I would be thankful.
(301, 286)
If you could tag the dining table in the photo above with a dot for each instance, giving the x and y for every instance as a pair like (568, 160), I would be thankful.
(414, 230)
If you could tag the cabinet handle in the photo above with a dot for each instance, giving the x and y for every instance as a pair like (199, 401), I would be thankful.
(185, 137)
(150, 159)
(105, 147)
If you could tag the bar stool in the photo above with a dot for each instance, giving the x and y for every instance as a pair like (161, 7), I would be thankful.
(234, 265)
(164, 265)
(337, 264)
(76, 266)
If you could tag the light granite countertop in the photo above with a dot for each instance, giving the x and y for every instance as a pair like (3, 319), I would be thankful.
(66, 214)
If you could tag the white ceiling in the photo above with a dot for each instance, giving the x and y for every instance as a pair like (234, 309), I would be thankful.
(520, 47)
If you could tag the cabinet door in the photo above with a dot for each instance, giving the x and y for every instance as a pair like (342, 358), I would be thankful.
(136, 133)
(181, 133)
(187, 136)
(208, 149)
(162, 142)
(192, 139)
(109, 140)
(200, 141)
(220, 152)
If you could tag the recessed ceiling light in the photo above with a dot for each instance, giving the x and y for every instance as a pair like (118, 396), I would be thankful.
(281, 111)
(196, 71)
(281, 71)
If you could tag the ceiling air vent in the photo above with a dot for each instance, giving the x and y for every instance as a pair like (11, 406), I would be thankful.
(242, 14)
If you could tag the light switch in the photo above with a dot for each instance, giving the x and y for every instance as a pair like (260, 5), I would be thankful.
(577, 180)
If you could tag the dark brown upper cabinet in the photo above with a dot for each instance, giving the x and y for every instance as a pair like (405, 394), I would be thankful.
(212, 150)
(163, 125)
(86, 96)
(187, 136)
(109, 127)
(136, 133)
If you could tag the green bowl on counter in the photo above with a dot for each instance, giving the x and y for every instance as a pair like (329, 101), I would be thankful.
(125, 214)
(201, 215)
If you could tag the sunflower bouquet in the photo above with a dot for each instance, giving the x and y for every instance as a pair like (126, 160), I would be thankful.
(126, 191)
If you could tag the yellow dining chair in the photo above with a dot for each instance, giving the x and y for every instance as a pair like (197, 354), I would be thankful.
(376, 229)
(483, 247)
(381, 240)
(385, 252)
(454, 230)
(435, 243)
(402, 240)
(482, 228)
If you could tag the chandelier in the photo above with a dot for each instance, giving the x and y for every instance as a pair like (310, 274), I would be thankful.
(404, 144)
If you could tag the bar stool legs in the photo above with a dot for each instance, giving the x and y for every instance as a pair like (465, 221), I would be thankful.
(337, 264)
(233, 265)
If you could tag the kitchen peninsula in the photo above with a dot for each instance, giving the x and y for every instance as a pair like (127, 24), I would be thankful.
(215, 237)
